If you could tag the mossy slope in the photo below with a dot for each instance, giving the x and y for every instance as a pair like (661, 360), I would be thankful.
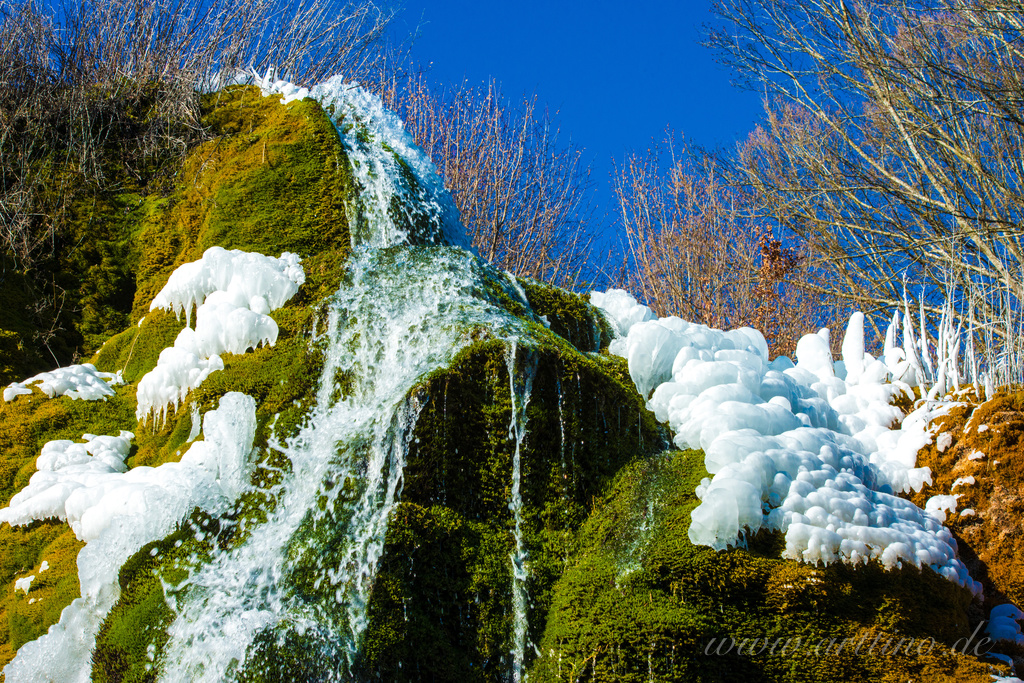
(986, 443)
(273, 179)
(639, 602)
(270, 178)
(442, 605)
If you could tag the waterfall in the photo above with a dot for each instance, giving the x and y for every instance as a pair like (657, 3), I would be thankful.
(403, 313)
(402, 197)
(519, 397)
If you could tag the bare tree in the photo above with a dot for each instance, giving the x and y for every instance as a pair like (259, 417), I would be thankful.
(129, 73)
(101, 96)
(696, 252)
(894, 143)
(523, 195)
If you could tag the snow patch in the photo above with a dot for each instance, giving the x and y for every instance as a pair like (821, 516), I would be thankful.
(271, 85)
(75, 381)
(943, 441)
(938, 506)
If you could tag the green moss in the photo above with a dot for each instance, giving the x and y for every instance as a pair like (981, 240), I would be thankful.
(639, 601)
(283, 654)
(570, 315)
(442, 601)
(229, 194)
(135, 631)
(275, 179)
(25, 617)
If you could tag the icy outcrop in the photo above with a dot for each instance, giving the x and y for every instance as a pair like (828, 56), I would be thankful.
(807, 448)
(233, 293)
(116, 512)
(1004, 624)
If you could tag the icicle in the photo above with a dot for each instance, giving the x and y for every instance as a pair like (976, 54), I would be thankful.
(923, 339)
(891, 354)
(853, 348)
(917, 379)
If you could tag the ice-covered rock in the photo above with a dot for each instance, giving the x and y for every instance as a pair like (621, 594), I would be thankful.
(815, 450)
(233, 293)
(116, 512)
(622, 309)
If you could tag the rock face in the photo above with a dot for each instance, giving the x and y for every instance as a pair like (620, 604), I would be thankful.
(440, 473)
(978, 456)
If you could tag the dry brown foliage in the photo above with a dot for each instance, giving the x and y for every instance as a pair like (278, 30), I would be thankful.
(695, 252)
(894, 142)
(522, 194)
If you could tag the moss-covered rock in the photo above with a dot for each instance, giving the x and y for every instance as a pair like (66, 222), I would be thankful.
(442, 607)
(569, 315)
(639, 602)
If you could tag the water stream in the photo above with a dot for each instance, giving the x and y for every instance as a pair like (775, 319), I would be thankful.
(404, 312)
(520, 388)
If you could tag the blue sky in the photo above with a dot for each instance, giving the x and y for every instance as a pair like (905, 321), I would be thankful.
(618, 75)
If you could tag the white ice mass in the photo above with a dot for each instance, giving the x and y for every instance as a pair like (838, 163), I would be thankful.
(233, 292)
(75, 381)
(116, 512)
(1004, 624)
(807, 449)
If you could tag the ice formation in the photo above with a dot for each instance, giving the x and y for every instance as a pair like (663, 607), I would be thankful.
(233, 292)
(806, 449)
(1004, 624)
(271, 85)
(76, 381)
(116, 512)
(939, 506)
(62, 468)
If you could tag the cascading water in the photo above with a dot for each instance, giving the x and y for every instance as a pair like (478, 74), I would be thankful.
(402, 197)
(405, 312)
(520, 387)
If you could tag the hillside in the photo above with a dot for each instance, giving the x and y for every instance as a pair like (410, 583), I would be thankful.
(320, 439)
